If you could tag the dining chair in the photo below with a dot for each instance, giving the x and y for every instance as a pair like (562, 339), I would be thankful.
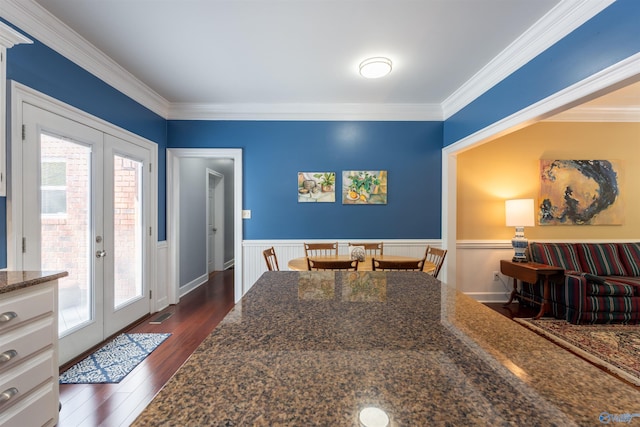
(350, 264)
(380, 265)
(371, 249)
(315, 249)
(436, 256)
(271, 259)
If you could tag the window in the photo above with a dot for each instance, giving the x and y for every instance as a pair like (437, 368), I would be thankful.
(54, 187)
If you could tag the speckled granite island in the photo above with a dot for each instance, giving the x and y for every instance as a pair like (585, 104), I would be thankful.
(316, 348)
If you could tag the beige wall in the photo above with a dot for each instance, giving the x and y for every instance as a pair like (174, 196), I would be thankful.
(509, 166)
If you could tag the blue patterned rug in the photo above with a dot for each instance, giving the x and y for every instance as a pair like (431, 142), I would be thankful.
(111, 363)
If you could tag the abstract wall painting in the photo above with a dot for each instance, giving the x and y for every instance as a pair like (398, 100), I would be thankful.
(580, 192)
(316, 187)
(364, 187)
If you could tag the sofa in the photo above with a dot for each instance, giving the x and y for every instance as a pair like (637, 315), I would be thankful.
(601, 283)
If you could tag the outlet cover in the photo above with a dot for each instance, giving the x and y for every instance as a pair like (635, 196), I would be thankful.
(246, 214)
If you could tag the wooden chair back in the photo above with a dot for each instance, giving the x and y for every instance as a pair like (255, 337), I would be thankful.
(350, 264)
(436, 256)
(378, 264)
(271, 259)
(371, 249)
(315, 249)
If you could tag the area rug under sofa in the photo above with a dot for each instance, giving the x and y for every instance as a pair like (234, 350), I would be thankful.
(615, 348)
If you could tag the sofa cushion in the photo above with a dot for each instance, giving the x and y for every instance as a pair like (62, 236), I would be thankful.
(609, 288)
(630, 257)
(557, 254)
(600, 259)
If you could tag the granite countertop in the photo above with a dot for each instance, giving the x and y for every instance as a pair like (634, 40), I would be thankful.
(13, 280)
(315, 348)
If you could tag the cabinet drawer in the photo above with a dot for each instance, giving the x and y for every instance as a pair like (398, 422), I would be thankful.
(37, 409)
(27, 376)
(26, 340)
(25, 306)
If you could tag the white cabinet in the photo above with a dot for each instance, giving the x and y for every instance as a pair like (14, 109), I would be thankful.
(29, 355)
(8, 38)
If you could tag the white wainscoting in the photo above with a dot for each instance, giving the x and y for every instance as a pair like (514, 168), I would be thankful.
(254, 264)
(477, 260)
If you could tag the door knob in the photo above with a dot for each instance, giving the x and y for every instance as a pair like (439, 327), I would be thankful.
(101, 254)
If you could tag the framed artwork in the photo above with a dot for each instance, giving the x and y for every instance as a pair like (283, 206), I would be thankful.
(316, 187)
(364, 187)
(580, 192)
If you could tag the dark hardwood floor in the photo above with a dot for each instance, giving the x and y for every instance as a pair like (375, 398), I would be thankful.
(197, 314)
(513, 310)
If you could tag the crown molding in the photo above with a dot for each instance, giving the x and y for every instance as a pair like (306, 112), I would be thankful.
(616, 76)
(10, 37)
(40, 24)
(552, 27)
(598, 114)
(334, 112)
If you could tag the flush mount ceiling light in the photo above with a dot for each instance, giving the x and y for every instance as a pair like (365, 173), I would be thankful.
(374, 68)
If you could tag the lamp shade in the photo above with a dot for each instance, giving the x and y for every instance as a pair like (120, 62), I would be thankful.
(374, 68)
(519, 213)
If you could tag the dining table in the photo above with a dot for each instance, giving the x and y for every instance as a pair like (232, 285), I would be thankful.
(300, 264)
(337, 348)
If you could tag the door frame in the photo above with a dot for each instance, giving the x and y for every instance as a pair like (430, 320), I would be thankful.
(20, 94)
(173, 214)
(604, 81)
(218, 239)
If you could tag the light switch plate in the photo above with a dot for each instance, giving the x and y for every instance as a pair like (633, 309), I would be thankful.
(246, 214)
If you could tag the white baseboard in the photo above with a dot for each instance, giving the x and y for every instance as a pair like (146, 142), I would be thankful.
(198, 281)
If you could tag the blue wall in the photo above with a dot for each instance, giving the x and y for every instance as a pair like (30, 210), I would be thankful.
(606, 39)
(274, 153)
(39, 67)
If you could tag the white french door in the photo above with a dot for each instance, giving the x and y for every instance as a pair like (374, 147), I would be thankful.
(85, 199)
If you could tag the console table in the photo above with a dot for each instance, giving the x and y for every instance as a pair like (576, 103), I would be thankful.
(531, 272)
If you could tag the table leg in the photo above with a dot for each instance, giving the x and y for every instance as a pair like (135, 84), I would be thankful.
(546, 296)
(514, 292)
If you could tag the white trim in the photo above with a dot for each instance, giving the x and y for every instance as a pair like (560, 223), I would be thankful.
(598, 114)
(195, 283)
(614, 77)
(23, 94)
(335, 112)
(218, 252)
(32, 18)
(556, 24)
(173, 214)
(10, 37)
(611, 78)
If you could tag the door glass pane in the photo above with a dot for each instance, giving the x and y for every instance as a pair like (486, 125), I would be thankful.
(127, 216)
(65, 187)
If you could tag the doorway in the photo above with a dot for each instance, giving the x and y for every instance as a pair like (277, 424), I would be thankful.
(174, 157)
(81, 203)
(215, 221)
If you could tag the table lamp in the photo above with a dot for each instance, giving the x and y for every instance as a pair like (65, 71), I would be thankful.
(519, 214)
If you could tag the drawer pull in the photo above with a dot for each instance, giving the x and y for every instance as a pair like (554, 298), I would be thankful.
(7, 355)
(6, 395)
(6, 317)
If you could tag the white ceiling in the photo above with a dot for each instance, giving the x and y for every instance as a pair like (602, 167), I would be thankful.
(239, 55)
